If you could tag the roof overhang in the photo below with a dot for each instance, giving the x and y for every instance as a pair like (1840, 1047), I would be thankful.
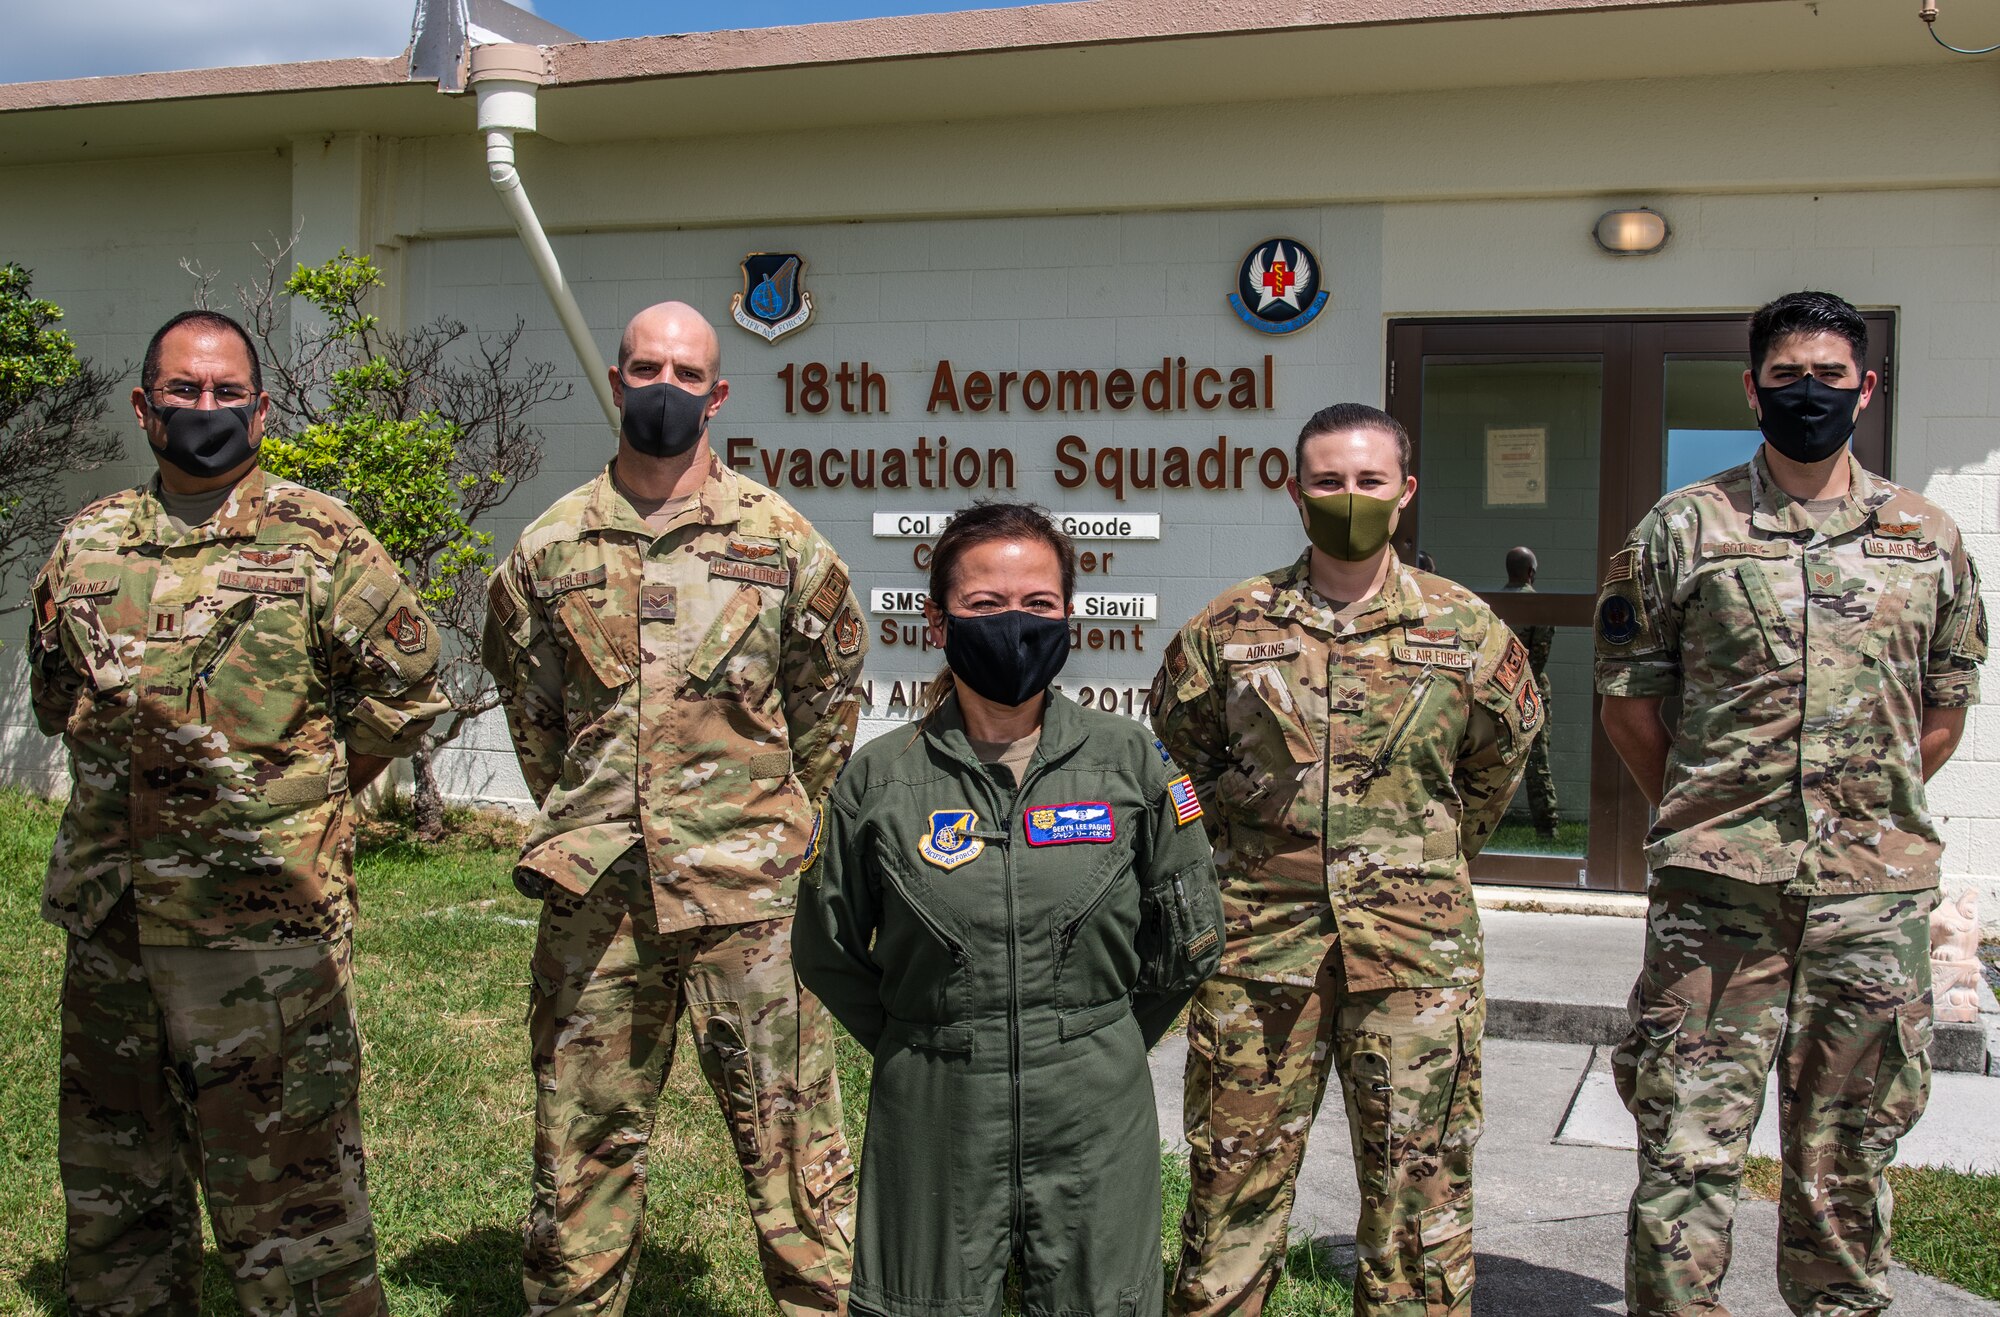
(1042, 60)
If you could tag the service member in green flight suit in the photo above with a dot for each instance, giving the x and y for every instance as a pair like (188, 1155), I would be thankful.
(1008, 905)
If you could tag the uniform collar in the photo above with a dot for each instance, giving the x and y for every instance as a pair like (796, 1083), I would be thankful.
(718, 502)
(1772, 509)
(1062, 729)
(239, 517)
(1400, 600)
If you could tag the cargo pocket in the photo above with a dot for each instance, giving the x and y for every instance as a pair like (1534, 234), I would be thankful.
(322, 1047)
(828, 1181)
(1902, 1079)
(1647, 1069)
(1445, 1235)
(332, 1273)
(1369, 1101)
(732, 1073)
(1198, 1084)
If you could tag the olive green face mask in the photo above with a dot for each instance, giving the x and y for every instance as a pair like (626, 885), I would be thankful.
(1350, 527)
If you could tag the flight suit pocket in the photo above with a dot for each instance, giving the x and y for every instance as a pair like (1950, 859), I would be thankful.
(322, 1047)
(1371, 1102)
(1180, 935)
(1902, 1078)
(333, 1272)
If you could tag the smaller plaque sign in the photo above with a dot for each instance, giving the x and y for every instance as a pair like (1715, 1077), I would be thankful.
(910, 525)
(1116, 607)
(897, 603)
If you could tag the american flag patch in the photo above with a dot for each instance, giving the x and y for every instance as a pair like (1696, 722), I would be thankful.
(1186, 808)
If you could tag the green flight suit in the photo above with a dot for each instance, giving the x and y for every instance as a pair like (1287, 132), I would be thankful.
(1009, 956)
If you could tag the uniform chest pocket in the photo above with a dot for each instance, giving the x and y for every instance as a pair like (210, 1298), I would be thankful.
(92, 638)
(600, 641)
(737, 657)
(1271, 718)
(1897, 634)
(1746, 598)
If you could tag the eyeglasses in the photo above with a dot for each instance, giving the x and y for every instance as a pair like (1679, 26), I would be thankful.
(189, 395)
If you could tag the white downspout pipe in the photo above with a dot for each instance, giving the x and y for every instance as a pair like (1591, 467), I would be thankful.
(506, 78)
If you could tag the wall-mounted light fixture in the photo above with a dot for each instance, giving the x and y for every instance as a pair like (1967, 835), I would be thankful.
(1639, 232)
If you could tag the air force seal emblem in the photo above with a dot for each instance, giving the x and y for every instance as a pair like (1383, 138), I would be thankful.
(1278, 287)
(772, 303)
(950, 842)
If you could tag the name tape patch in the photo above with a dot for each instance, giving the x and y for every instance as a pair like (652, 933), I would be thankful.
(1746, 549)
(1065, 825)
(1261, 650)
(555, 585)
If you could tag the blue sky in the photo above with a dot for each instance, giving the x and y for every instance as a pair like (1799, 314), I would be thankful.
(90, 38)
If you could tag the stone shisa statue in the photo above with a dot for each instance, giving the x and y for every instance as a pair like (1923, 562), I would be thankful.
(1955, 957)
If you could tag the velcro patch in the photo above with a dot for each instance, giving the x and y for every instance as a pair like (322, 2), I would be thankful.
(1899, 530)
(1200, 945)
(812, 844)
(267, 559)
(407, 630)
(1461, 660)
(1513, 664)
(750, 550)
(45, 603)
(657, 603)
(757, 573)
(847, 634)
(771, 763)
(547, 587)
(165, 623)
(832, 593)
(1620, 621)
(1065, 825)
(260, 583)
(949, 842)
(1165, 756)
(1187, 806)
(1529, 704)
(1624, 564)
(1908, 550)
(1432, 635)
(1259, 651)
(89, 589)
(1747, 549)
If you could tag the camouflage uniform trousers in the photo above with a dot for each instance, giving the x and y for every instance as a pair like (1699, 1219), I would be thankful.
(1540, 782)
(234, 1070)
(609, 992)
(1836, 990)
(1258, 1059)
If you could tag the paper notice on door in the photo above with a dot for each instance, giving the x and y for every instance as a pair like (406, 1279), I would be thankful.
(1517, 467)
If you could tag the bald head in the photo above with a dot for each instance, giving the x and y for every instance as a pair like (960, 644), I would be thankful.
(1521, 565)
(671, 327)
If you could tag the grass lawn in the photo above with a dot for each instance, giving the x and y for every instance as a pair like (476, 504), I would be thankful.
(442, 961)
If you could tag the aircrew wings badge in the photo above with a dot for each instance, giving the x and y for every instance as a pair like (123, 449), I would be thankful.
(1064, 825)
(1186, 807)
(950, 842)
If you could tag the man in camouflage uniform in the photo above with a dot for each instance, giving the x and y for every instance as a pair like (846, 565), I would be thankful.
(1819, 630)
(676, 650)
(1540, 782)
(228, 658)
(1354, 730)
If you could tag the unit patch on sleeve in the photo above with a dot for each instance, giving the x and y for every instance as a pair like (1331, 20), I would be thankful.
(950, 842)
(1063, 825)
(812, 846)
(407, 629)
(1187, 808)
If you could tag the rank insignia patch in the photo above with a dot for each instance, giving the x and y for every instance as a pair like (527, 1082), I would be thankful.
(847, 635)
(772, 303)
(1278, 287)
(407, 630)
(1187, 808)
(1529, 703)
(1161, 746)
(1063, 825)
(950, 842)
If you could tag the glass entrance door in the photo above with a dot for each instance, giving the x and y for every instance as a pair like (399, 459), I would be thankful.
(1538, 444)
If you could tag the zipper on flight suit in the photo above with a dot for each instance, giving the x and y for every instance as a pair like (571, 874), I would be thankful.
(199, 686)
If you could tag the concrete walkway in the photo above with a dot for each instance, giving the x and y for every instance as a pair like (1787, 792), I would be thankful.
(1550, 1234)
(1555, 1166)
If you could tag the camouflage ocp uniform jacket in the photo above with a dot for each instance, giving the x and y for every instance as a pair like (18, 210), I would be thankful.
(209, 686)
(1801, 658)
(1348, 770)
(692, 689)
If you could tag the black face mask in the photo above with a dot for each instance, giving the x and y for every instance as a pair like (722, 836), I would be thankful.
(663, 419)
(1807, 420)
(1011, 657)
(205, 444)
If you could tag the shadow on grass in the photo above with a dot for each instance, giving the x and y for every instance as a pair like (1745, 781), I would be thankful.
(479, 1275)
